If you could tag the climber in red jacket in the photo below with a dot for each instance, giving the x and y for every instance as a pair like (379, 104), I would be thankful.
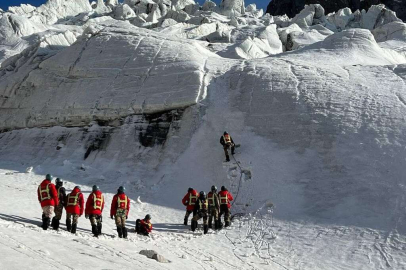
(48, 197)
(189, 201)
(94, 209)
(143, 226)
(74, 209)
(225, 198)
(120, 207)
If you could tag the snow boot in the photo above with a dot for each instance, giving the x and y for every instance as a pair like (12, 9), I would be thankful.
(137, 226)
(206, 229)
(68, 225)
(120, 232)
(43, 222)
(185, 222)
(125, 232)
(216, 224)
(227, 158)
(73, 228)
(220, 225)
(194, 225)
(94, 230)
(46, 222)
(55, 224)
(99, 229)
(227, 224)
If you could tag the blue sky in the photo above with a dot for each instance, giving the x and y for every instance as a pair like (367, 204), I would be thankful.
(4, 4)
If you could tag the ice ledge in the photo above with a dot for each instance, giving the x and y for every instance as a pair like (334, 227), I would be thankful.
(107, 76)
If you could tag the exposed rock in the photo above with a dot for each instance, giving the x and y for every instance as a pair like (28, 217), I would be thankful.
(152, 254)
(160, 258)
(148, 253)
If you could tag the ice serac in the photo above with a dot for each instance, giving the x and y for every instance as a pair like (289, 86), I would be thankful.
(230, 7)
(181, 4)
(293, 7)
(349, 47)
(54, 10)
(120, 71)
(391, 31)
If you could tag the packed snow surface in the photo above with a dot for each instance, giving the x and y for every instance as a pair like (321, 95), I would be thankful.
(138, 94)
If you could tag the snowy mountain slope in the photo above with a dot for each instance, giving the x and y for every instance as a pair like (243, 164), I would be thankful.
(321, 133)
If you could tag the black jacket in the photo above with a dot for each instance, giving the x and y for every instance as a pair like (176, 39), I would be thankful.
(62, 195)
(222, 141)
(200, 210)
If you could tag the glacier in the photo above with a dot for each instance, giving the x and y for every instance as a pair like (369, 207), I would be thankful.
(138, 93)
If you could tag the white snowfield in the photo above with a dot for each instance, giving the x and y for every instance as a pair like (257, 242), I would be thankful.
(138, 94)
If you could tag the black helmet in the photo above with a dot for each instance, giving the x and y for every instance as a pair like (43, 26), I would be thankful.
(202, 195)
(95, 188)
(225, 132)
(77, 187)
(48, 177)
(147, 217)
(223, 188)
(58, 181)
(213, 188)
(190, 189)
(121, 189)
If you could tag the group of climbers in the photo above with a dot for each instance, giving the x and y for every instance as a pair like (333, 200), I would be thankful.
(210, 207)
(54, 199)
(214, 205)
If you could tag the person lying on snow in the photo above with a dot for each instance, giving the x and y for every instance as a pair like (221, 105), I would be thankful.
(143, 226)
